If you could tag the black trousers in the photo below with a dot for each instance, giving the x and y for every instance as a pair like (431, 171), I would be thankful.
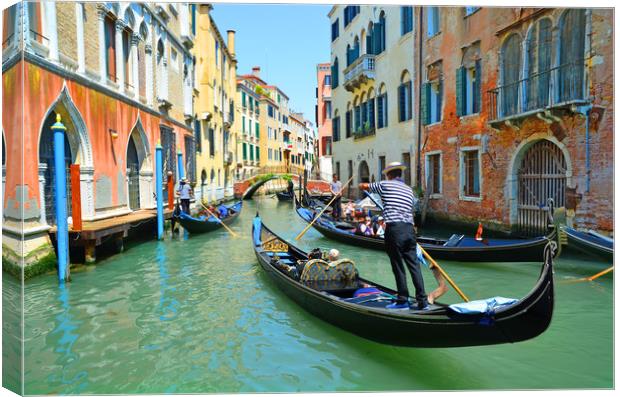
(337, 207)
(400, 244)
(185, 205)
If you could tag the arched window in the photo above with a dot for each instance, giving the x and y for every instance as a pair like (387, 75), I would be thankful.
(404, 97)
(538, 65)
(406, 19)
(357, 116)
(382, 107)
(572, 55)
(364, 112)
(348, 120)
(370, 46)
(335, 73)
(160, 59)
(511, 67)
(380, 32)
(370, 103)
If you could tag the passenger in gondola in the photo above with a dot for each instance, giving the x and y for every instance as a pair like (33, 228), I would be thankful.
(223, 211)
(380, 227)
(400, 239)
(214, 211)
(364, 227)
(349, 210)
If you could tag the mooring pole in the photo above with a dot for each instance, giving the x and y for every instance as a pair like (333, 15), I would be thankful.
(159, 190)
(180, 163)
(60, 176)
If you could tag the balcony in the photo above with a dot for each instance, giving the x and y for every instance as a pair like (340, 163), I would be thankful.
(558, 89)
(359, 72)
(363, 132)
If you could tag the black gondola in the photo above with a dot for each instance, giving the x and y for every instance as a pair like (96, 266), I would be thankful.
(203, 225)
(456, 248)
(366, 316)
(590, 243)
(285, 196)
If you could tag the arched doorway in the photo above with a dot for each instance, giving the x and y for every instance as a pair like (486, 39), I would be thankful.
(541, 175)
(133, 175)
(46, 164)
(364, 173)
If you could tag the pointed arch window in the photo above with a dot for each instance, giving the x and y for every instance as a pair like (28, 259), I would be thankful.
(572, 55)
(538, 68)
(510, 75)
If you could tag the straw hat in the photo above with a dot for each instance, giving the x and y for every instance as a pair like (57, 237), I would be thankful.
(394, 166)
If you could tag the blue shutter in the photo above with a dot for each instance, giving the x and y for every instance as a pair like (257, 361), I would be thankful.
(477, 87)
(380, 111)
(439, 100)
(401, 102)
(409, 102)
(385, 110)
(460, 89)
(425, 102)
(371, 112)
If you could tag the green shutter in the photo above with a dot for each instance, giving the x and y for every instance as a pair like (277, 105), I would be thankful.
(245, 151)
(243, 99)
(477, 88)
(257, 153)
(257, 130)
(385, 109)
(426, 103)
(460, 89)
(243, 124)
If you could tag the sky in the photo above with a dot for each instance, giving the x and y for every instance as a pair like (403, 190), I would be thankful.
(286, 41)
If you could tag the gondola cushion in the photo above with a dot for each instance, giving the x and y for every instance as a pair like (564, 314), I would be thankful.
(320, 270)
(487, 306)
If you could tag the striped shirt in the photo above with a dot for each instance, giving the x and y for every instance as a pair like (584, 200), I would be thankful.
(398, 200)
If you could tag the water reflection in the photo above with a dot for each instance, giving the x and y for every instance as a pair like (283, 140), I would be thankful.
(167, 303)
(65, 335)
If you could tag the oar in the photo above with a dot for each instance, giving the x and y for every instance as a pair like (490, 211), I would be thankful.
(591, 278)
(219, 220)
(323, 210)
(435, 264)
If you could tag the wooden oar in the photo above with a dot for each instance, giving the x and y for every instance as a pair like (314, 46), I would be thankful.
(591, 278)
(219, 220)
(435, 264)
(323, 210)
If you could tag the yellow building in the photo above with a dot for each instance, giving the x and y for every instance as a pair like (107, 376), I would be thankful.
(215, 90)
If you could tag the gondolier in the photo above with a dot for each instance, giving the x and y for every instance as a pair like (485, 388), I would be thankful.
(335, 187)
(185, 193)
(400, 239)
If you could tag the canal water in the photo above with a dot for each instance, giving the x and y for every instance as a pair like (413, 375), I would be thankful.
(197, 314)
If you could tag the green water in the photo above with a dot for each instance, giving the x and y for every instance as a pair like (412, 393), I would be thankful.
(198, 315)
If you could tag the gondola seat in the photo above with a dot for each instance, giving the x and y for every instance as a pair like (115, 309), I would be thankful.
(454, 240)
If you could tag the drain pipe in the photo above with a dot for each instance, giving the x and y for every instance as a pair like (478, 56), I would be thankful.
(159, 190)
(585, 111)
(60, 174)
(419, 76)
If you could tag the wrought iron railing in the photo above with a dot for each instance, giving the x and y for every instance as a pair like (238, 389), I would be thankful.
(365, 64)
(564, 83)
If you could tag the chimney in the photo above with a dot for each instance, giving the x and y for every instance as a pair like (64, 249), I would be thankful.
(256, 71)
(231, 42)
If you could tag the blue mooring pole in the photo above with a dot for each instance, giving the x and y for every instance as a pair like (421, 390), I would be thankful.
(159, 190)
(180, 163)
(60, 183)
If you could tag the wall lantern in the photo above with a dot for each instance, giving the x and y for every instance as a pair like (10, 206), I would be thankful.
(113, 133)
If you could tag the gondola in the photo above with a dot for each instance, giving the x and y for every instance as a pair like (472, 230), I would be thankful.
(590, 243)
(196, 225)
(285, 196)
(367, 316)
(456, 248)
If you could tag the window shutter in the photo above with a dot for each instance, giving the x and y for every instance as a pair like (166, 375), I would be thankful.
(477, 87)
(245, 150)
(401, 102)
(377, 38)
(439, 100)
(403, 17)
(257, 130)
(348, 123)
(371, 112)
(409, 102)
(460, 85)
(385, 109)
(380, 111)
(425, 103)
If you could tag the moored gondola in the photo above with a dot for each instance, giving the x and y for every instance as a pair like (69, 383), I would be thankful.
(206, 224)
(365, 314)
(456, 248)
(590, 243)
(285, 196)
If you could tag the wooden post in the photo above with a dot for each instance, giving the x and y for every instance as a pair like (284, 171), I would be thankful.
(170, 192)
(76, 198)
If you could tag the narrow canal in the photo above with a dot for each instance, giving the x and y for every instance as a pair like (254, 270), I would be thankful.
(197, 314)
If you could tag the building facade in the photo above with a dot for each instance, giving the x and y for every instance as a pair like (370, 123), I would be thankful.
(215, 108)
(372, 74)
(323, 119)
(520, 113)
(248, 149)
(108, 70)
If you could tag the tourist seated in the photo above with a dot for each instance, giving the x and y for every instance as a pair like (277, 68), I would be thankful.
(223, 211)
(349, 210)
(334, 255)
(214, 211)
(380, 227)
(364, 227)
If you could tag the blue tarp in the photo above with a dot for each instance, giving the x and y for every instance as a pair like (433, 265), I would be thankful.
(256, 230)
(487, 306)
